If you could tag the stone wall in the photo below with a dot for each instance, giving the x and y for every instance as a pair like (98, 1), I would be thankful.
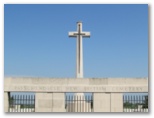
(76, 85)
(107, 92)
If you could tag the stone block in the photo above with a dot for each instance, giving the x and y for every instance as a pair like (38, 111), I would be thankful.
(43, 102)
(101, 102)
(6, 101)
(58, 101)
(116, 102)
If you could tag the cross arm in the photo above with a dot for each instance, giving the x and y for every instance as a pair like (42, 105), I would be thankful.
(72, 34)
(85, 34)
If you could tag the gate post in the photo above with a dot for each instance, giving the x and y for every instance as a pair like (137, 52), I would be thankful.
(116, 102)
(6, 101)
(101, 102)
(58, 101)
(43, 102)
(50, 102)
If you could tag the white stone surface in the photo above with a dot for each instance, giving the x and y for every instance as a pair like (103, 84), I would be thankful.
(58, 101)
(79, 54)
(43, 102)
(101, 102)
(6, 101)
(116, 102)
(76, 85)
(50, 92)
(108, 102)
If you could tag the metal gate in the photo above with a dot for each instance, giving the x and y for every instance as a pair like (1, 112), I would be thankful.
(135, 103)
(21, 103)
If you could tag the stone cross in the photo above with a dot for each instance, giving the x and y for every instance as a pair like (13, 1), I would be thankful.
(79, 58)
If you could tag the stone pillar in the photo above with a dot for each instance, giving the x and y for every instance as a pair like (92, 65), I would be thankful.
(116, 102)
(58, 100)
(43, 102)
(101, 102)
(6, 101)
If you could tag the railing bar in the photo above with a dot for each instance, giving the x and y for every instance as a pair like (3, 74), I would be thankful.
(77, 103)
(143, 103)
(66, 102)
(80, 103)
(69, 103)
(91, 103)
(86, 103)
(88, 99)
(139, 103)
(131, 102)
(74, 102)
(26, 103)
(28, 106)
(34, 102)
(18, 104)
(30, 103)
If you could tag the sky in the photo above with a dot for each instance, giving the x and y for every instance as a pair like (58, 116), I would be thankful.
(36, 42)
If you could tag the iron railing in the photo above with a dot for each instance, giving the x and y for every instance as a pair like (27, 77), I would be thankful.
(135, 103)
(75, 103)
(22, 103)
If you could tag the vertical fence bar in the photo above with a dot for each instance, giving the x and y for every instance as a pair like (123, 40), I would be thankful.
(91, 103)
(142, 104)
(69, 103)
(77, 103)
(134, 103)
(82, 103)
(131, 103)
(34, 103)
(86, 103)
(140, 107)
(15, 103)
(72, 103)
(23, 99)
(20, 103)
(123, 103)
(127, 102)
(31, 103)
(26, 102)
(137, 102)
(66, 102)
(10, 103)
